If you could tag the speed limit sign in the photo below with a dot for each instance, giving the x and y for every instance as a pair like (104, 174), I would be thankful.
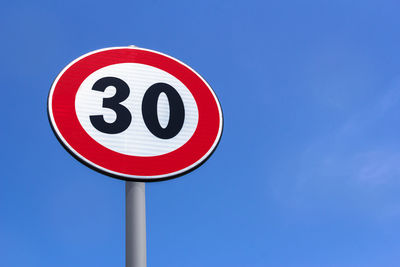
(135, 114)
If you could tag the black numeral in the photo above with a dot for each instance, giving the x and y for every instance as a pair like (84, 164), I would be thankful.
(124, 117)
(176, 111)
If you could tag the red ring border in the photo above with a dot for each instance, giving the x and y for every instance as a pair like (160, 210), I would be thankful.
(70, 132)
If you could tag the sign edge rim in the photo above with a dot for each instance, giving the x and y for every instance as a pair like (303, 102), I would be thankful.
(118, 175)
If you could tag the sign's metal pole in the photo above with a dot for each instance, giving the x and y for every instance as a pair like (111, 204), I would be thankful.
(135, 225)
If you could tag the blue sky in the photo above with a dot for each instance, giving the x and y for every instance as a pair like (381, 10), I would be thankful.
(308, 169)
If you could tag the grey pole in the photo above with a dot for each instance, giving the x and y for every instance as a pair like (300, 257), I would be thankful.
(135, 225)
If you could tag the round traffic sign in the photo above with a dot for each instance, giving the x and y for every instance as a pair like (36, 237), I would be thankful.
(135, 114)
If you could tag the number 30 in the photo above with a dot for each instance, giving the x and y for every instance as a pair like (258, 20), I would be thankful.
(149, 109)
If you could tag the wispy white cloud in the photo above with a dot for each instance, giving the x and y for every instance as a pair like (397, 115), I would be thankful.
(377, 167)
(349, 163)
(375, 160)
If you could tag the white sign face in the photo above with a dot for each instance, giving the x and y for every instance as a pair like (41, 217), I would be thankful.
(136, 140)
(135, 114)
